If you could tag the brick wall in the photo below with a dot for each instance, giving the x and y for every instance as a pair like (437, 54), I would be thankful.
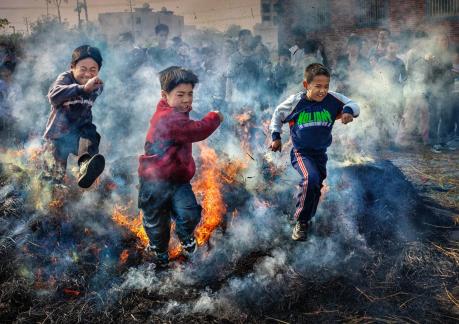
(402, 16)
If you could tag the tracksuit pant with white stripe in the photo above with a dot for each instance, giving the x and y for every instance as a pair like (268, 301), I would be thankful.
(312, 168)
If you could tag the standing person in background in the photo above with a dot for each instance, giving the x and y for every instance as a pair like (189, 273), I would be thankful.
(414, 125)
(282, 74)
(243, 73)
(392, 71)
(222, 59)
(455, 71)
(161, 56)
(379, 50)
(441, 81)
(351, 63)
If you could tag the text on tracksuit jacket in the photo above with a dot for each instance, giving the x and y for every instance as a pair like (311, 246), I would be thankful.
(311, 122)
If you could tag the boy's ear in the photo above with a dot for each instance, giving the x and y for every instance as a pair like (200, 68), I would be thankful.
(305, 84)
(163, 94)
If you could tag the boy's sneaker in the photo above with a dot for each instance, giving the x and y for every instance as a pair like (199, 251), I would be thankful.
(90, 169)
(300, 232)
(160, 260)
(189, 246)
(437, 148)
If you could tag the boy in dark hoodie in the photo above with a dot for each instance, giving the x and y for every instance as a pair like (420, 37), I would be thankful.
(166, 168)
(69, 128)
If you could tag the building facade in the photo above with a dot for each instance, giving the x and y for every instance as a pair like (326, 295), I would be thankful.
(332, 21)
(267, 29)
(141, 23)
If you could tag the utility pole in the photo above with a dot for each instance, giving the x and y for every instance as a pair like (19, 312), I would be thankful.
(85, 6)
(78, 10)
(26, 20)
(132, 18)
(47, 9)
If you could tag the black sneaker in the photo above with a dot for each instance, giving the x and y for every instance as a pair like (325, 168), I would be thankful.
(159, 259)
(300, 232)
(189, 246)
(90, 169)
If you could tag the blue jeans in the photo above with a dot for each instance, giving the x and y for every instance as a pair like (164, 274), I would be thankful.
(313, 171)
(160, 201)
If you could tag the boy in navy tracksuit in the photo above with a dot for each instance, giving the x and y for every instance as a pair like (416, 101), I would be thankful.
(69, 128)
(310, 116)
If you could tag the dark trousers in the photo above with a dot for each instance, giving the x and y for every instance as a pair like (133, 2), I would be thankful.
(160, 201)
(442, 123)
(313, 171)
(83, 142)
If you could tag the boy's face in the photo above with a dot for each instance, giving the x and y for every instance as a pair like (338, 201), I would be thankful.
(392, 48)
(284, 60)
(353, 49)
(317, 89)
(162, 37)
(180, 98)
(84, 70)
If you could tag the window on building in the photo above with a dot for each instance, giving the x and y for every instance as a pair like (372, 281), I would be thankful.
(266, 18)
(138, 21)
(266, 8)
(442, 8)
(372, 12)
(318, 13)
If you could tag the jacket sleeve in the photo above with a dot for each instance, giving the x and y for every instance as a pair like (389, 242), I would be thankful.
(63, 89)
(281, 111)
(349, 106)
(189, 131)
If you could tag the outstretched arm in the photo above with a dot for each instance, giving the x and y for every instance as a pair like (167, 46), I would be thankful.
(190, 131)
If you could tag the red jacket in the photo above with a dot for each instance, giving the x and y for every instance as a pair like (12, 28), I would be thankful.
(168, 144)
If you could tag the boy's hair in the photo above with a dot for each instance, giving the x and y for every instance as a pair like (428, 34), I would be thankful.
(161, 27)
(354, 40)
(315, 69)
(86, 51)
(385, 30)
(244, 32)
(173, 76)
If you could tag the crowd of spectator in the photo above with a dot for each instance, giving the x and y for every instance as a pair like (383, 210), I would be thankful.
(410, 83)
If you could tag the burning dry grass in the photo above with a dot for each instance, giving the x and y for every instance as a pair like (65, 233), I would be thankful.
(62, 268)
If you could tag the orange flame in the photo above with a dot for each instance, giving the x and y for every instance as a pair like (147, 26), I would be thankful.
(175, 248)
(134, 225)
(209, 186)
(323, 191)
(124, 256)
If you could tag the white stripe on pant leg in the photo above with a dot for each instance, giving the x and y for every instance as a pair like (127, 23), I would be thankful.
(305, 184)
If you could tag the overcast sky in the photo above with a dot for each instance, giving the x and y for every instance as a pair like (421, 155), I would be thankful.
(202, 13)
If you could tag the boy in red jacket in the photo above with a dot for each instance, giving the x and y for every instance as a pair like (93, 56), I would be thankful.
(166, 168)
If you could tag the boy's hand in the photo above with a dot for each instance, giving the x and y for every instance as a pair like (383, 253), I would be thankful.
(346, 118)
(276, 146)
(93, 84)
(219, 115)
